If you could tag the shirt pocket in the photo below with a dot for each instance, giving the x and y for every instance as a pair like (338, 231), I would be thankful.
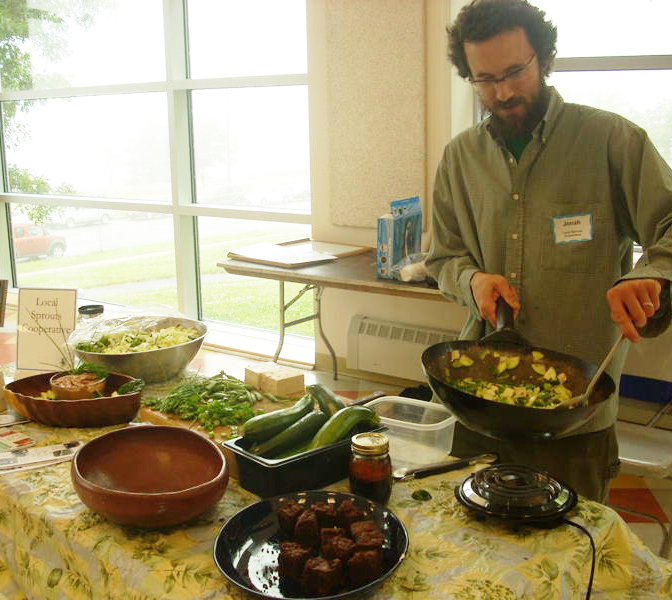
(590, 256)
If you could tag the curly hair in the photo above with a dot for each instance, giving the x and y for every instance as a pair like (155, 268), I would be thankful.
(483, 19)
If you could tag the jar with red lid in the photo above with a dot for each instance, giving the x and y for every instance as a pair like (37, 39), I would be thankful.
(370, 466)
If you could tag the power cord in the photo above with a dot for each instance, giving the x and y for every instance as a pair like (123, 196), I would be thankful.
(592, 547)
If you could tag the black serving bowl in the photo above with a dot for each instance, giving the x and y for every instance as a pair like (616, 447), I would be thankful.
(248, 545)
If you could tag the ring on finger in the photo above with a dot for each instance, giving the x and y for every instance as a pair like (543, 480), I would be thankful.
(648, 304)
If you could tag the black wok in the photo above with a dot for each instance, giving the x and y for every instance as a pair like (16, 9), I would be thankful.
(507, 421)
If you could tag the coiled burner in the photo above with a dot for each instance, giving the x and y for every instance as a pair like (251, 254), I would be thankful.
(517, 492)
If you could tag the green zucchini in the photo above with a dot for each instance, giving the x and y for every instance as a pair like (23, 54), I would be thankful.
(340, 425)
(264, 427)
(301, 431)
(328, 402)
(294, 450)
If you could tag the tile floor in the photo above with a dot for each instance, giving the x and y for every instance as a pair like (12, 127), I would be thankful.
(651, 496)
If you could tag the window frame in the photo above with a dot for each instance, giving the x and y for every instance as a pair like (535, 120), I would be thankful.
(177, 87)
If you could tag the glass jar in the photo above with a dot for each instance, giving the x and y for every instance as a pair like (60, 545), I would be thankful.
(370, 466)
(89, 311)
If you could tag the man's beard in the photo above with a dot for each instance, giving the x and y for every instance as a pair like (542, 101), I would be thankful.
(509, 129)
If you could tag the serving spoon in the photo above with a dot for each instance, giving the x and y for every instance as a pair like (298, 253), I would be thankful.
(581, 398)
(404, 473)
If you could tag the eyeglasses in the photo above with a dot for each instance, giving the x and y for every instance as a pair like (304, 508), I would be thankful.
(515, 74)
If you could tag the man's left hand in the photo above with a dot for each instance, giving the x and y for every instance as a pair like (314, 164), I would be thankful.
(632, 302)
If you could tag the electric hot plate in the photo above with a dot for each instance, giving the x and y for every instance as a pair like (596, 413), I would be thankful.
(517, 493)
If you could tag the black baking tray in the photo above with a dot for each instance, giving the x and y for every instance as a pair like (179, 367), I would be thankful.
(268, 477)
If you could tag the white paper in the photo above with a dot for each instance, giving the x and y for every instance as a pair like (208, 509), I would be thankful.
(45, 319)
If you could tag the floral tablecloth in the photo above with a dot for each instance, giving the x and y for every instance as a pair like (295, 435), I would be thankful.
(53, 547)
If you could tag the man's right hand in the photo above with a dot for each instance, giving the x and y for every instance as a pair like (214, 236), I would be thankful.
(486, 288)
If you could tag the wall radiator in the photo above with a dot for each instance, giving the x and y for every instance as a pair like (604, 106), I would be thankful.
(391, 348)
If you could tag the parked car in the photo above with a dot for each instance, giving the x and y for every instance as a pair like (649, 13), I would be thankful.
(34, 240)
(70, 217)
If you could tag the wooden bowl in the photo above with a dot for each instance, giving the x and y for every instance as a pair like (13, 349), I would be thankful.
(23, 395)
(150, 476)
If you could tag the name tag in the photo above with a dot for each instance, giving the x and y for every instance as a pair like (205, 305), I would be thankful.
(572, 228)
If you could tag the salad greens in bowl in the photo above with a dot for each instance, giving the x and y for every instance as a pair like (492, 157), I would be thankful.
(151, 348)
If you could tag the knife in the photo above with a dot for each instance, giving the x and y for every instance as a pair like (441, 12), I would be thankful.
(404, 473)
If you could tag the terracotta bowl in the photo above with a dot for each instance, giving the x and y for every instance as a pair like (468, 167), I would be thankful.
(150, 476)
(23, 395)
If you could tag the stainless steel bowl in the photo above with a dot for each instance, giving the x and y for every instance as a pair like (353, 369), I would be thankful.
(152, 365)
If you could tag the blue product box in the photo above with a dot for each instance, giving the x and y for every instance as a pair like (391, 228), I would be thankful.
(384, 247)
(399, 235)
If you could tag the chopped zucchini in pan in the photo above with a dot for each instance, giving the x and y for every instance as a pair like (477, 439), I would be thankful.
(460, 360)
(547, 392)
(524, 394)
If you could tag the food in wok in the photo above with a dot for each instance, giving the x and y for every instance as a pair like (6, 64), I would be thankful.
(543, 385)
(511, 421)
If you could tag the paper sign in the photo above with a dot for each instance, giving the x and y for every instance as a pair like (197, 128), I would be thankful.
(46, 318)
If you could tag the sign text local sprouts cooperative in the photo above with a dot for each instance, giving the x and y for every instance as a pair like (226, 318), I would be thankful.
(46, 318)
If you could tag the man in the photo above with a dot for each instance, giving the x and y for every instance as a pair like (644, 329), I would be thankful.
(539, 204)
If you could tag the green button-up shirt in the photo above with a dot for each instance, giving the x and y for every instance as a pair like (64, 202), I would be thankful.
(496, 215)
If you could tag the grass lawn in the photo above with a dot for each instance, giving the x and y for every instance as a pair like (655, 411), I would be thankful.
(243, 301)
(110, 276)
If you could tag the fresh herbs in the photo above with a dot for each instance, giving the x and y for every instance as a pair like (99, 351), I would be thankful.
(131, 387)
(102, 342)
(213, 401)
(102, 372)
(421, 495)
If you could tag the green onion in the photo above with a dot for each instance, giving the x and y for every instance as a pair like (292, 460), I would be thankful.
(221, 400)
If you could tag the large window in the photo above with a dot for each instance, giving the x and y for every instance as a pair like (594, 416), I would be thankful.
(143, 140)
(615, 55)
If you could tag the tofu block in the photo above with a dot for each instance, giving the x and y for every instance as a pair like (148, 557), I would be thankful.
(253, 372)
(275, 379)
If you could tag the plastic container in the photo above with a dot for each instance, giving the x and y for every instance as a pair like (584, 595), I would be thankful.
(311, 470)
(644, 451)
(420, 432)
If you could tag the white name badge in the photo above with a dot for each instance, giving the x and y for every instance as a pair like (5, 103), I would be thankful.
(572, 228)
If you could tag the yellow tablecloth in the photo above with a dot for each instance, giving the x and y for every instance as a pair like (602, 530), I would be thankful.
(53, 547)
